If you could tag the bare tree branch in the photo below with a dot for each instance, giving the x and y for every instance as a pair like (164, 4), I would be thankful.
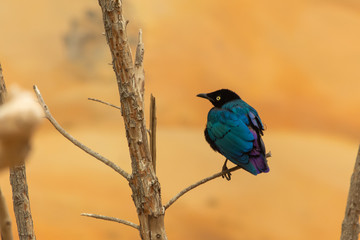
(5, 220)
(202, 181)
(21, 203)
(350, 226)
(144, 183)
(205, 180)
(153, 130)
(111, 219)
(76, 142)
(106, 103)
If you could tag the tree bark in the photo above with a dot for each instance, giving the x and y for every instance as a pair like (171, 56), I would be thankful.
(144, 183)
(21, 203)
(350, 226)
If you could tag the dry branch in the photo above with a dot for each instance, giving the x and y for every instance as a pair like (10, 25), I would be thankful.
(5, 220)
(202, 181)
(76, 142)
(144, 183)
(350, 226)
(112, 219)
(21, 203)
(106, 103)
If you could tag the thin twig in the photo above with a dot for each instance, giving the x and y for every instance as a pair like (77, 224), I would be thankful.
(216, 175)
(177, 196)
(111, 219)
(153, 130)
(106, 103)
(76, 142)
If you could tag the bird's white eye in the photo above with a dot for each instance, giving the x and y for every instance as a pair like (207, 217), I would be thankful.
(218, 98)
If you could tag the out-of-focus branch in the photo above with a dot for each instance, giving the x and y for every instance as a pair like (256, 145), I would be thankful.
(111, 219)
(76, 142)
(350, 226)
(5, 220)
(19, 116)
(2, 87)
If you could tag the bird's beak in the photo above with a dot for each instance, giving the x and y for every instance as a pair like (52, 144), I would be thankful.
(203, 95)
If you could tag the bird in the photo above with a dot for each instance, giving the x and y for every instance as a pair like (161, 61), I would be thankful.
(234, 129)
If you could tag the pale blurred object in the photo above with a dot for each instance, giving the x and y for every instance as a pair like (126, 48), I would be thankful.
(19, 116)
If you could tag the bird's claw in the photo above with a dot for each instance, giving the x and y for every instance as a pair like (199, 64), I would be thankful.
(226, 175)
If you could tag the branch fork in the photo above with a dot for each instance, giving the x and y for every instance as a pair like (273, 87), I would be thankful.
(76, 142)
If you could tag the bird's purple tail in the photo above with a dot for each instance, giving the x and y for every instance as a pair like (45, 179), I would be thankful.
(257, 155)
(260, 164)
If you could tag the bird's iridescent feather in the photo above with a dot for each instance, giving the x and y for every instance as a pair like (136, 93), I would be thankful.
(235, 131)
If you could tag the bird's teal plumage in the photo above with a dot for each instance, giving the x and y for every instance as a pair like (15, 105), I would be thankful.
(234, 129)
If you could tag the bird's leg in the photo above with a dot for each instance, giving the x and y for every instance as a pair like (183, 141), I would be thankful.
(226, 175)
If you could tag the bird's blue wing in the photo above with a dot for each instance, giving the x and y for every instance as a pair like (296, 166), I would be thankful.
(248, 114)
(256, 121)
(227, 133)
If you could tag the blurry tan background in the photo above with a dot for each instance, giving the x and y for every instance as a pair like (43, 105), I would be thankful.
(296, 62)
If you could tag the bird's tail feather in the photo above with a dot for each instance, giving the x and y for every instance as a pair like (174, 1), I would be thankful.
(260, 164)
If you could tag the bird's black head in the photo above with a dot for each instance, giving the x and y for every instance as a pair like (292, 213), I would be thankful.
(219, 97)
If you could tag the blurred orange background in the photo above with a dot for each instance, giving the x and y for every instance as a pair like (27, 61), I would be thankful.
(296, 62)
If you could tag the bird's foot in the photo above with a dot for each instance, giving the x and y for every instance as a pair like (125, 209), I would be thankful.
(226, 175)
